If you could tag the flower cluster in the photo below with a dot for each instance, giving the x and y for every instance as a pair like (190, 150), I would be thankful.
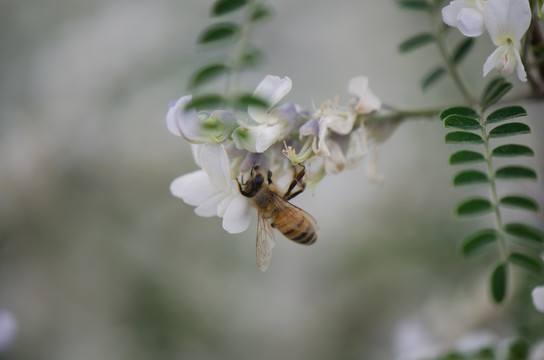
(506, 21)
(227, 144)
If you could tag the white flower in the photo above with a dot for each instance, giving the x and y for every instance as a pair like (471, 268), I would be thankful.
(212, 190)
(538, 298)
(271, 124)
(187, 123)
(365, 100)
(507, 21)
(466, 15)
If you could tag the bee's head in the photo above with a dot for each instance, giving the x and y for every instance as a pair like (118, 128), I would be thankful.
(252, 186)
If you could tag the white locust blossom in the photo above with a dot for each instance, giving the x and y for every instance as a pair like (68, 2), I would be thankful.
(466, 15)
(507, 21)
(269, 124)
(212, 189)
(198, 129)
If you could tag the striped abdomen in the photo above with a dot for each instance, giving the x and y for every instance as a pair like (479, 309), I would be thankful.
(295, 223)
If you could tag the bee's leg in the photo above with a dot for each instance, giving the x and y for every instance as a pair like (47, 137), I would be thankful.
(269, 177)
(297, 179)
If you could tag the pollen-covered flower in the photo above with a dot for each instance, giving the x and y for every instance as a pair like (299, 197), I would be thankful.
(466, 15)
(213, 189)
(507, 21)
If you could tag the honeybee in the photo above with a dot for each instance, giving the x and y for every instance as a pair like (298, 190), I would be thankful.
(275, 211)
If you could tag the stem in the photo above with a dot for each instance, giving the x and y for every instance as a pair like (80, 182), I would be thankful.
(239, 52)
(404, 114)
(450, 65)
(503, 249)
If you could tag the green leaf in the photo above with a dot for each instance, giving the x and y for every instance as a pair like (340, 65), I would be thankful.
(475, 206)
(509, 129)
(432, 77)
(465, 156)
(261, 13)
(461, 122)
(207, 74)
(496, 89)
(414, 4)
(498, 283)
(469, 177)
(415, 42)
(512, 150)
(505, 113)
(210, 101)
(524, 231)
(515, 172)
(476, 243)
(245, 100)
(222, 7)
(463, 137)
(462, 50)
(218, 32)
(520, 202)
(459, 110)
(531, 263)
(518, 350)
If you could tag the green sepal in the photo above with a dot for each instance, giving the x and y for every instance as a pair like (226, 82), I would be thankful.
(505, 113)
(207, 74)
(432, 76)
(520, 202)
(512, 150)
(462, 50)
(222, 7)
(524, 231)
(209, 101)
(499, 283)
(469, 177)
(515, 172)
(478, 242)
(509, 129)
(415, 42)
(531, 263)
(475, 206)
(466, 156)
(494, 91)
(518, 350)
(219, 31)
(463, 137)
(459, 110)
(461, 122)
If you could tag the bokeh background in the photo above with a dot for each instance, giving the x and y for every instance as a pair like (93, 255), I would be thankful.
(99, 261)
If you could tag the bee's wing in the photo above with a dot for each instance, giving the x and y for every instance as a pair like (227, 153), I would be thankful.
(289, 210)
(265, 243)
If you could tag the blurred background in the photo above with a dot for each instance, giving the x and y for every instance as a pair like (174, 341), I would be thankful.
(99, 261)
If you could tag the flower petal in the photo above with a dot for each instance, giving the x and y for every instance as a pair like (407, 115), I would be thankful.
(365, 100)
(271, 89)
(177, 118)
(538, 298)
(470, 22)
(507, 19)
(208, 208)
(466, 16)
(213, 159)
(258, 138)
(194, 188)
(237, 218)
